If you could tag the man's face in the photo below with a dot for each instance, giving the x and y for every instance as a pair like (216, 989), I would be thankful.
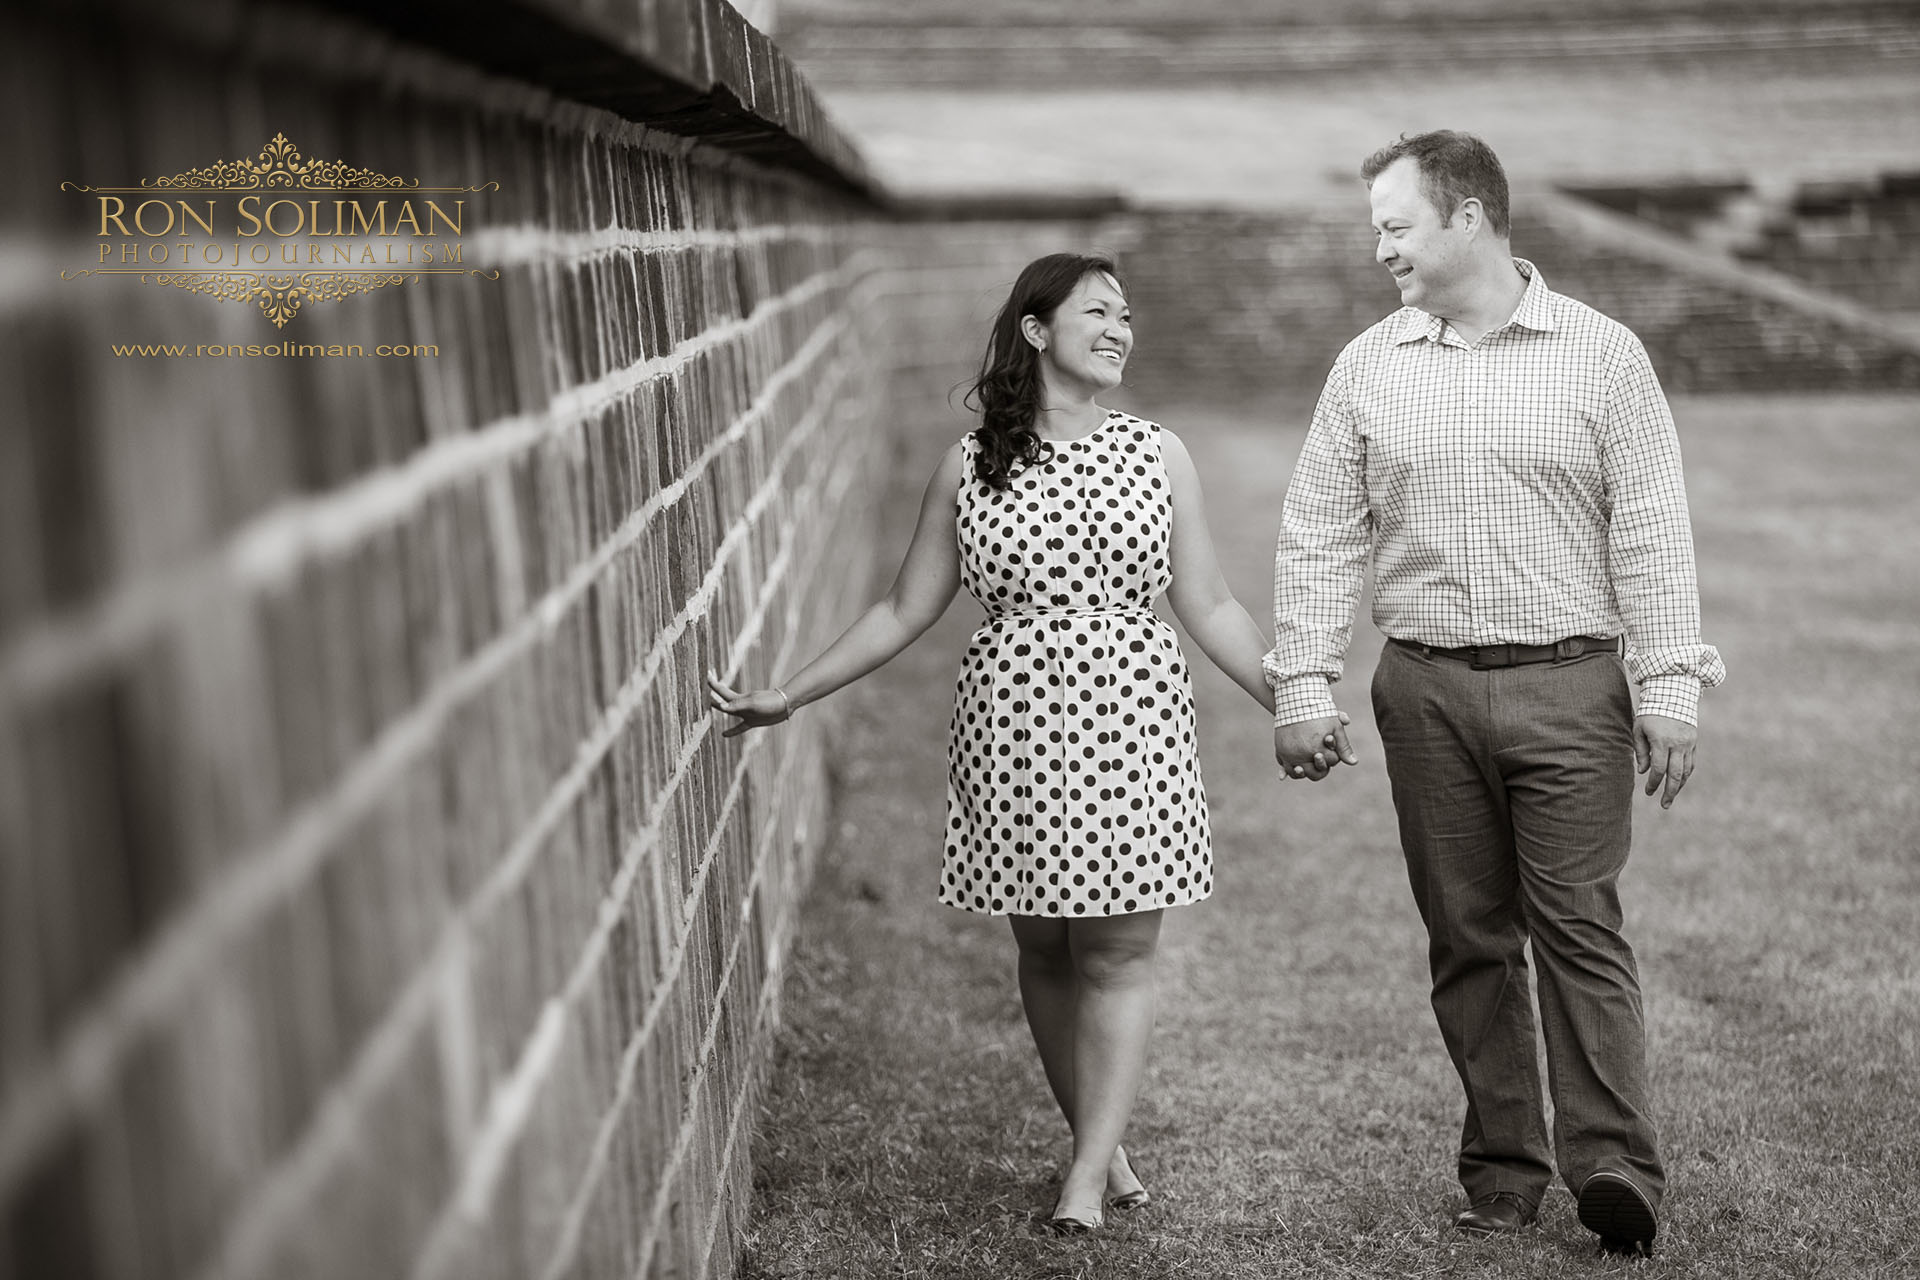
(1423, 253)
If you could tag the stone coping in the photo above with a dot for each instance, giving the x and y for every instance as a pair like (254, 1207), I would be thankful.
(695, 68)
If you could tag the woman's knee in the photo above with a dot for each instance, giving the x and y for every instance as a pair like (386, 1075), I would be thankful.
(1116, 957)
(1043, 943)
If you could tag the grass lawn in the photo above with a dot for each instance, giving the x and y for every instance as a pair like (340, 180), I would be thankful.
(1300, 1115)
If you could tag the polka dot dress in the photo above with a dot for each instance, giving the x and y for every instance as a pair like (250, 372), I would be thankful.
(1073, 788)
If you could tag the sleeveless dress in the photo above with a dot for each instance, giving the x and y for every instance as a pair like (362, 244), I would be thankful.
(1073, 786)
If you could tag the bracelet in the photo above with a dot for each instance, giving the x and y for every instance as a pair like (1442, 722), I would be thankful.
(786, 705)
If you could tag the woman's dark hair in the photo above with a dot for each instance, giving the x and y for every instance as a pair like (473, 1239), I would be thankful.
(1007, 392)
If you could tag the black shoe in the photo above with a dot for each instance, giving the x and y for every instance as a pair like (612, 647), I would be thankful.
(1501, 1213)
(1616, 1210)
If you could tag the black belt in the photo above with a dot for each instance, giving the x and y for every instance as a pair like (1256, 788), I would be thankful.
(1484, 657)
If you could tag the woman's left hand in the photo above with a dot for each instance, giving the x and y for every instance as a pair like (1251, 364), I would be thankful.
(756, 709)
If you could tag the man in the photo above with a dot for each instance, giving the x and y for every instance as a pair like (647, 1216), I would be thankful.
(1506, 455)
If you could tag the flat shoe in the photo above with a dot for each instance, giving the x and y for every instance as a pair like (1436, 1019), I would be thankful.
(1616, 1210)
(1131, 1200)
(1066, 1224)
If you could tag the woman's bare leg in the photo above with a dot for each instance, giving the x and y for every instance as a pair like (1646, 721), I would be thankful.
(1049, 993)
(1113, 961)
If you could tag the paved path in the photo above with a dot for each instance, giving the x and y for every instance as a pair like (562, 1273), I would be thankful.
(1299, 1114)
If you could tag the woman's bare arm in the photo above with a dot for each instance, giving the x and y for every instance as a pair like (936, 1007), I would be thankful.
(1206, 607)
(1218, 622)
(928, 579)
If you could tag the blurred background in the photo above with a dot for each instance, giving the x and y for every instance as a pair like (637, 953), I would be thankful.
(377, 897)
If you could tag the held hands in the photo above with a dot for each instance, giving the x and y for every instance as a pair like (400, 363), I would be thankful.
(756, 709)
(1663, 750)
(1309, 750)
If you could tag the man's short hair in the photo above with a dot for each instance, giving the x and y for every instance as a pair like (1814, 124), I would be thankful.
(1454, 166)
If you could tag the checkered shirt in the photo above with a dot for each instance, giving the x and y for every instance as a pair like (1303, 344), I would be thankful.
(1520, 490)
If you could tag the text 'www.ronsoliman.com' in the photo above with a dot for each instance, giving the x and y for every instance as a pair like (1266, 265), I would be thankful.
(273, 350)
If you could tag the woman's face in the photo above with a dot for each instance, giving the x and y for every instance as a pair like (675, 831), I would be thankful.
(1087, 343)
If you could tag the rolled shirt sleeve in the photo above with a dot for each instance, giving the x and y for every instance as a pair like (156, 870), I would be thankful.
(1325, 534)
(1650, 543)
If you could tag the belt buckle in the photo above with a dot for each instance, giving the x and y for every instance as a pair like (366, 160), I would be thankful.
(1571, 647)
(1478, 655)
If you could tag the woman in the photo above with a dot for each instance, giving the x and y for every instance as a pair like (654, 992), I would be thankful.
(1074, 802)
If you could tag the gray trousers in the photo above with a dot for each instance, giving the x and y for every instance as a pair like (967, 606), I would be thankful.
(1514, 789)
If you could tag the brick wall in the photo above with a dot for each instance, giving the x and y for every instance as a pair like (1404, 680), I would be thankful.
(379, 899)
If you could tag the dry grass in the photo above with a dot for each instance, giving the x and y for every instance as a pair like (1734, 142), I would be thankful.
(1300, 1114)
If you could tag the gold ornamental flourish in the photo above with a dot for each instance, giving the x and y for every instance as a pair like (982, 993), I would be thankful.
(280, 167)
(279, 296)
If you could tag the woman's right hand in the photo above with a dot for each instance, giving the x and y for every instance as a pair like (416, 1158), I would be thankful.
(756, 708)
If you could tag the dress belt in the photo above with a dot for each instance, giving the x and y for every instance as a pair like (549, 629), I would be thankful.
(1485, 657)
(1138, 611)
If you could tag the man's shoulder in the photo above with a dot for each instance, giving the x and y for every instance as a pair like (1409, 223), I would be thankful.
(1382, 335)
(1585, 323)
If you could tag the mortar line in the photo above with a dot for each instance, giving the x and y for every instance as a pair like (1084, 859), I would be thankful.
(705, 1060)
(56, 650)
(336, 1119)
(526, 845)
(311, 1157)
(589, 1179)
(769, 993)
(588, 1182)
(668, 494)
(762, 1024)
(80, 1068)
(470, 1199)
(683, 1140)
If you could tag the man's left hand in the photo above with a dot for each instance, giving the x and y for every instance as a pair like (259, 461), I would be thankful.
(1663, 750)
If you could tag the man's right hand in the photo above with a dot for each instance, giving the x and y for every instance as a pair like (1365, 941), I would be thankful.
(1309, 749)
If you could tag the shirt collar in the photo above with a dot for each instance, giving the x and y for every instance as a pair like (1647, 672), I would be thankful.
(1534, 312)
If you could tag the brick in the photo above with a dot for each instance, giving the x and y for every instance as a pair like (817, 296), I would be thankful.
(49, 1228)
(59, 430)
(473, 564)
(102, 835)
(178, 1201)
(359, 1220)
